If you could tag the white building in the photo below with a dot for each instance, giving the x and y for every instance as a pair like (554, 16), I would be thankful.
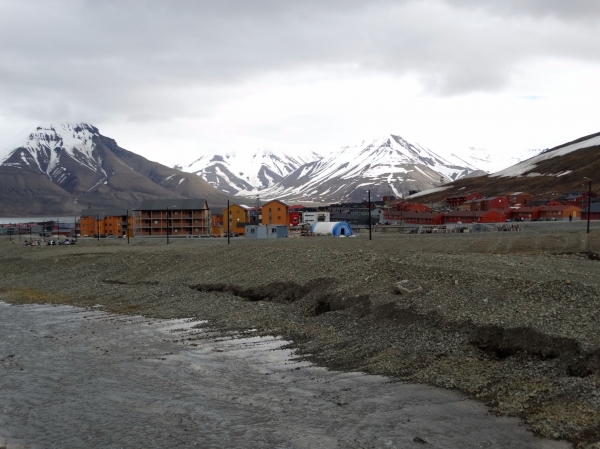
(315, 217)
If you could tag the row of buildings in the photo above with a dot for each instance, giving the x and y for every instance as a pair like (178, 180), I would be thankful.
(194, 217)
(514, 206)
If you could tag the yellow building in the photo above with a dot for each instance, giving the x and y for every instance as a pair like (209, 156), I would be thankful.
(238, 215)
(276, 212)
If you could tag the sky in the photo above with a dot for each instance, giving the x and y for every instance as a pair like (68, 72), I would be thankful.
(172, 80)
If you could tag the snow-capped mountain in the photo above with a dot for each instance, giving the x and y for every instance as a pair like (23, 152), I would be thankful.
(62, 168)
(56, 150)
(385, 165)
(233, 172)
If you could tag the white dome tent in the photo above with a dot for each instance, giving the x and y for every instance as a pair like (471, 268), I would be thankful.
(337, 229)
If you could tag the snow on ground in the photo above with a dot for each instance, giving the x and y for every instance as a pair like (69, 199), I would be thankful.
(427, 192)
(528, 165)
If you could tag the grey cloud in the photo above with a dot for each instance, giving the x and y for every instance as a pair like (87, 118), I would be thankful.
(137, 59)
(559, 9)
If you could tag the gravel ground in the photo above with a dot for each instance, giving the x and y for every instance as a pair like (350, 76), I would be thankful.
(508, 318)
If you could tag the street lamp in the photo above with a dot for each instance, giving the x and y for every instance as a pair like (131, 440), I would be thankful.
(589, 212)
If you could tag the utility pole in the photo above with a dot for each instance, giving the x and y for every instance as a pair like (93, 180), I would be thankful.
(369, 206)
(589, 213)
(228, 222)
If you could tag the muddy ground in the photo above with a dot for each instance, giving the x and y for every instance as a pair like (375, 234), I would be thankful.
(508, 318)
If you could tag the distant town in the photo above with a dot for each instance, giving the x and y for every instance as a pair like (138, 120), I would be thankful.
(194, 218)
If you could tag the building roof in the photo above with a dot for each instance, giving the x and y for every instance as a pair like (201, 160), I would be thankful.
(174, 204)
(526, 209)
(106, 212)
(595, 208)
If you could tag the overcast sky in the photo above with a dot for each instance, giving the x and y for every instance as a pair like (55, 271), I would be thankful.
(174, 79)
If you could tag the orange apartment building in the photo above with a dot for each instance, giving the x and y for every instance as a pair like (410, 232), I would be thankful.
(216, 224)
(239, 216)
(110, 221)
(276, 212)
(559, 212)
(177, 217)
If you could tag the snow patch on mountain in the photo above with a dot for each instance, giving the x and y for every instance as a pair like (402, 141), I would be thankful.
(46, 146)
(388, 163)
(491, 162)
(529, 164)
(235, 171)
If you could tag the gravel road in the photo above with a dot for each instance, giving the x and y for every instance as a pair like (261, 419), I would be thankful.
(510, 319)
(74, 378)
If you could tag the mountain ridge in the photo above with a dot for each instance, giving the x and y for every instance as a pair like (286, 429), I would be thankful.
(386, 165)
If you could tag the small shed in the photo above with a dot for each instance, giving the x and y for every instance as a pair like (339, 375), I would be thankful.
(256, 231)
(336, 229)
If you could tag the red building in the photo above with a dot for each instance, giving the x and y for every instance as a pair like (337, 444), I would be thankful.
(295, 218)
(460, 199)
(407, 206)
(490, 216)
(576, 198)
(526, 213)
(521, 198)
(426, 218)
(492, 202)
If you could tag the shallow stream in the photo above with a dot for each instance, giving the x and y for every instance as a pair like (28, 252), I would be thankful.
(75, 378)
